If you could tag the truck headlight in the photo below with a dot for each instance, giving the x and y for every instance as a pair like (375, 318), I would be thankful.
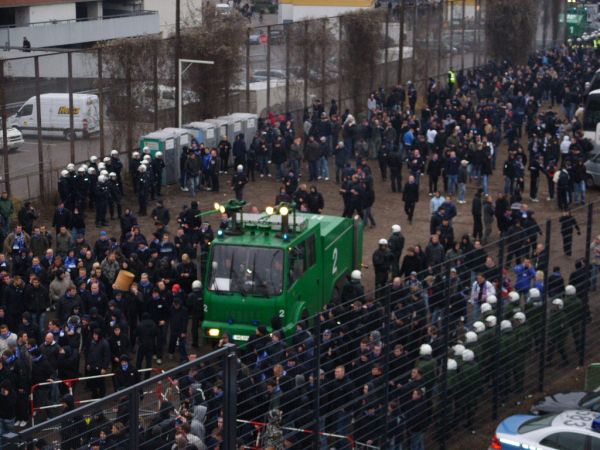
(213, 332)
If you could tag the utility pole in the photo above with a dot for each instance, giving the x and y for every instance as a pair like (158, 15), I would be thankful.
(177, 58)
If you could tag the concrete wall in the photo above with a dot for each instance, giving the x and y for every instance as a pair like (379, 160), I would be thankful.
(43, 13)
(65, 33)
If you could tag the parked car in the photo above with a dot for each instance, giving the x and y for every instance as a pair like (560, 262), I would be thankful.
(563, 401)
(256, 37)
(261, 75)
(569, 430)
(592, 166)
(14, 137)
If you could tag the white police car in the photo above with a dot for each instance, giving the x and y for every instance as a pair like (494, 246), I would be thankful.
(569, 430)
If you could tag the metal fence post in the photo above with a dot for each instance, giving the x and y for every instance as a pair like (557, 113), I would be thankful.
(386, 356)
(248, 70)
(542, 361)
(401, 43)
(585, 309)
(316, 375)
(101, 101)
(444, 362)
(427, 53)
(268, 69)
(71, 131)
(385, 50)
(497, 348)
(155, 85)
(340, 31)
(130, 118)
(323, 60)
(414, 41)
(451, 22)
(230, 399)
(287, 67)
(4, 116)
(36, 62)
(134, 418)
(462, 39)
(438, 70)
(305, 67)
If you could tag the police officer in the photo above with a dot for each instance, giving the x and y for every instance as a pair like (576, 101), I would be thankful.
(486, 310)
(573, 313)
(64, 188)
(521, 348)
(535, 312)
(142, 189)
(238, 182)
(195, 304)
(470, 383)
(116, 166)
(472, 342)
(427, 365)
(457, 352)
(451, 80)
(147, 160)
(396, 245)
(353, 289)
(134, 165)
(514, 305)
(102, 195)
(82, 188)
(115, 190)
(452, 385)
(382, 262)
(93, 180)
(158, 165)
(486, 358)
(94, 162)
(557, 332)
(506, 375)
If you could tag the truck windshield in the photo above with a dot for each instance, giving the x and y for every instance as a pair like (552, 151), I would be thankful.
(256, 271)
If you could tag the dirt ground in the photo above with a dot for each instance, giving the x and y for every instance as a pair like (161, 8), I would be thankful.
(388, 210)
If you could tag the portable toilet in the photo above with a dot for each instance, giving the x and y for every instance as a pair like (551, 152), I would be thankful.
(169, 141)
(183, 138)
(222, 128)
(203, 132)
(234, 126)
(249, 123)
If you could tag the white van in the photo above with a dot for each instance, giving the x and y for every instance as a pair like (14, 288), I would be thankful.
(55, 116)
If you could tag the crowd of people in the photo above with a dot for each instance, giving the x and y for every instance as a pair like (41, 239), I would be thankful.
(63, 316)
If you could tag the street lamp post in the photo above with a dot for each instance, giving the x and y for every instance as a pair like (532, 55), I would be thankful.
(189, 63)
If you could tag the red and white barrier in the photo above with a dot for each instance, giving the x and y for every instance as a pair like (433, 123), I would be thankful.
(260, 425)
(70, 382)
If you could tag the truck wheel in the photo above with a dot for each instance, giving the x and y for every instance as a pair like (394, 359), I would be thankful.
(69, 135)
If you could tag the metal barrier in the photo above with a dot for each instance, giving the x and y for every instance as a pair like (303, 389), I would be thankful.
(70, 383)
(139, 412)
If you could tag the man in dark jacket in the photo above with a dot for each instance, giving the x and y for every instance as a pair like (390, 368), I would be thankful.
(97, 362)
(477, 213)
(126, 375)
(62, 217)
(146, 333)
(410, 196)
(178, 326)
